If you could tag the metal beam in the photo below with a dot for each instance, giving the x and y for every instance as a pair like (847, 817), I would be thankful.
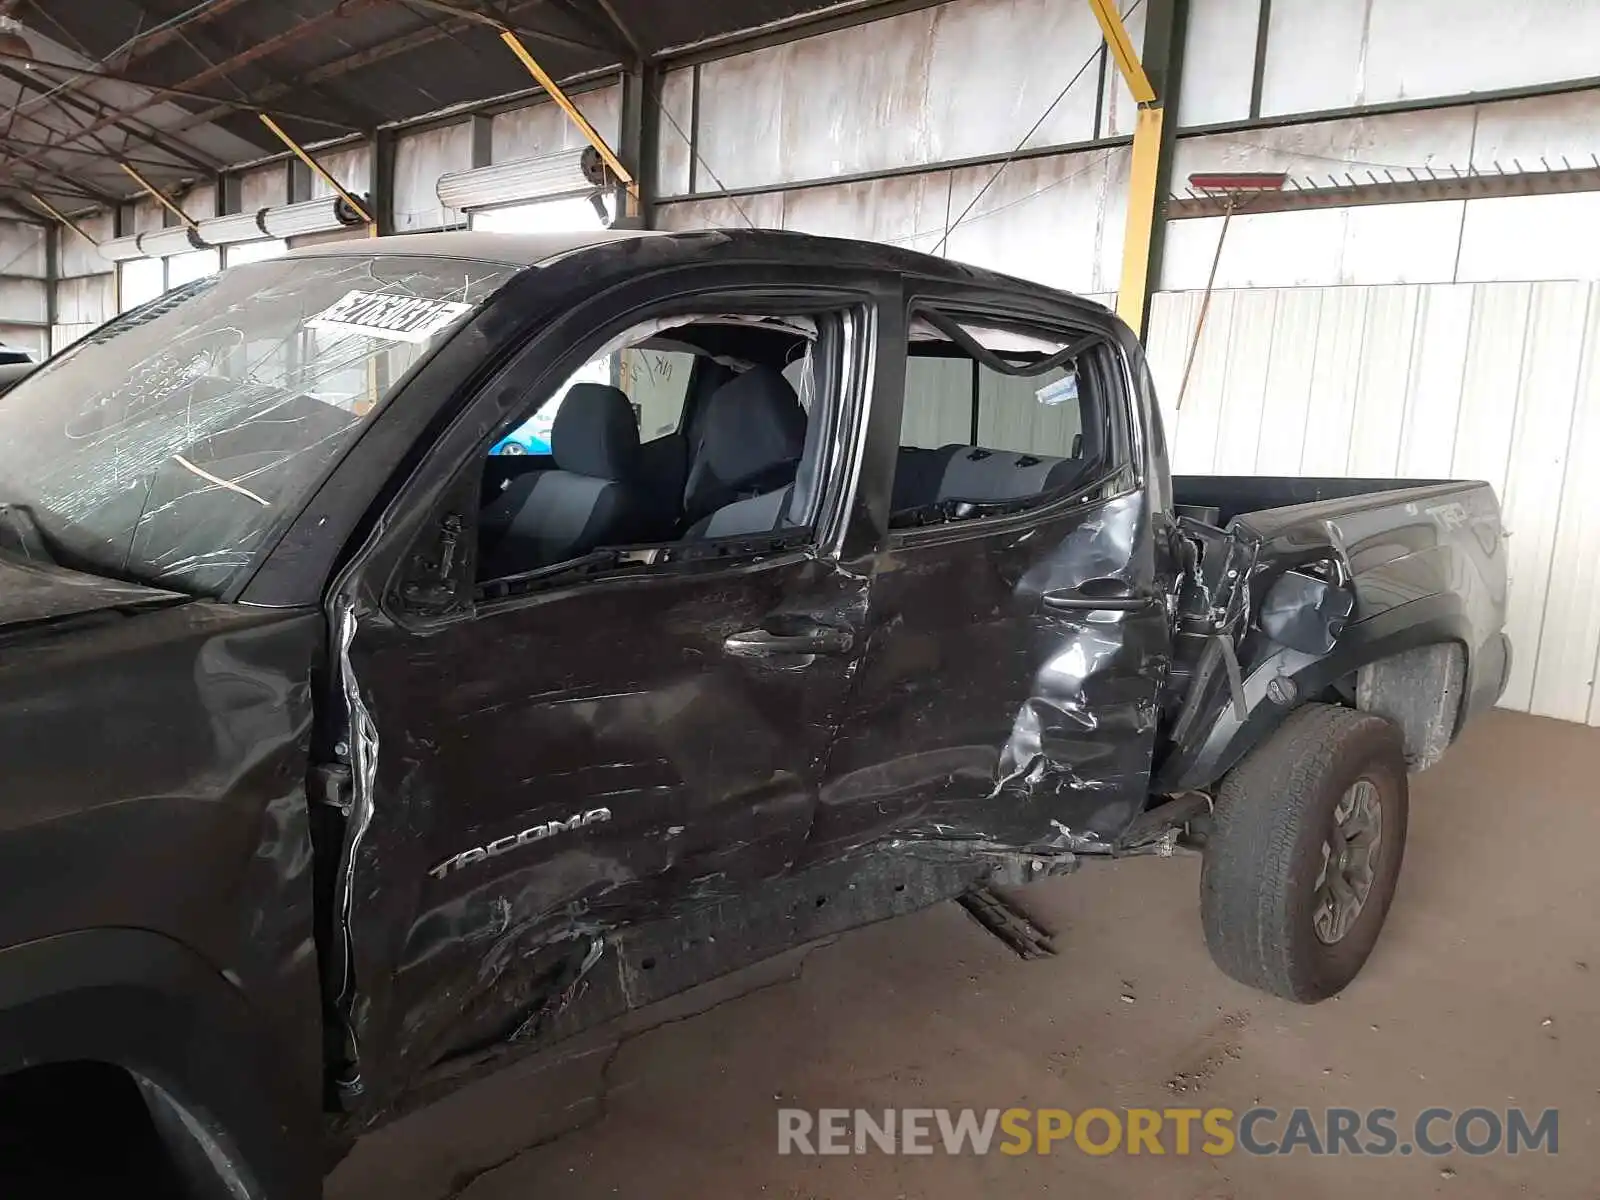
(116, 120)
(1258, 71)
(1123, 54)
(299, 152)
(1156, 76)
(146, 41)
(1133, 292)
(955, 164)
(62, 217)
(641, 126)
(11, 139)
(354, 62)
(55, 93)
(243, 58)
(472, 16)
(165, 201)
(640, 53)
(834, 18)
(590, 133)
(1389, 108)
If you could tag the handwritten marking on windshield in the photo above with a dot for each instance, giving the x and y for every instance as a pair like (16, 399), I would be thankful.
(223, 483)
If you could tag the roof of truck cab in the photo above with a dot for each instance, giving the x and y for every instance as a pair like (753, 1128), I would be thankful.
(513, 249)
(785, 245)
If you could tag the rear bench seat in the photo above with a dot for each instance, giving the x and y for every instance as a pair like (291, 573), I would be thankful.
(976, 475)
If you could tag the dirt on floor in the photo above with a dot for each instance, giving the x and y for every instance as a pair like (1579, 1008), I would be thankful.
(1484, 992)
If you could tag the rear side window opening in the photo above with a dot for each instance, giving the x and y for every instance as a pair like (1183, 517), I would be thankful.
(996, 419)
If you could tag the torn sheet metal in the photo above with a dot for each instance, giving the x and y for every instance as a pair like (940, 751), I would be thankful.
(936, 744)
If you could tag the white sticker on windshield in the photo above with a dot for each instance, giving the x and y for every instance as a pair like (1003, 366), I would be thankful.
(396, 318)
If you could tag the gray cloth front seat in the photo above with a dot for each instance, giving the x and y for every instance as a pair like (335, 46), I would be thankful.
(749, 445)
(594, 497)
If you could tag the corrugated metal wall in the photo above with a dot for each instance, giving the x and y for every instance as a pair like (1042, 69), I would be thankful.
(1493, 381)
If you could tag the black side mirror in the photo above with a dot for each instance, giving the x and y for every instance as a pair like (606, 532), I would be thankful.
(1305, 613)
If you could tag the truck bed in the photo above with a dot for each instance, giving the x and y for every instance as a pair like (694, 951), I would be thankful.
(1224, 497)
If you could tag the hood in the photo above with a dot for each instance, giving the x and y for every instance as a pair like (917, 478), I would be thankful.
(32, 593)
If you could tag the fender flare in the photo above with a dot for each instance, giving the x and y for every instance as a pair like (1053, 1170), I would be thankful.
(1421, 622)
(144, 1002)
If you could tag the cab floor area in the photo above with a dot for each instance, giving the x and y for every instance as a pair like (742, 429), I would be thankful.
(1484, 991)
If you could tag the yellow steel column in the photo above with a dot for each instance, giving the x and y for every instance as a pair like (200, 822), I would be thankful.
(1145, 171)
(1141, 218)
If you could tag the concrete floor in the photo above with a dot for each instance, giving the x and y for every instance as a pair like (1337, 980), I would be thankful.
(1485, 990)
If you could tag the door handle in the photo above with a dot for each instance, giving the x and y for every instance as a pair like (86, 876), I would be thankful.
(1098, 595)
(814, 639)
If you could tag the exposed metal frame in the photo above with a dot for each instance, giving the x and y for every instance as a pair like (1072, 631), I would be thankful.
(1258, 70)
(872, 176)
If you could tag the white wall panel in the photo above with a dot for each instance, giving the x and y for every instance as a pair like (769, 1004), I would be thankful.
(1531, 500)
(946, 83)
(23, 249)
(89, 300)
(1378, 244)
(1564, 660)
(763, 212)
(79, 257)
(1387, 345)
(996, 65)
(419, 160)
(1551, 128)
(62, 336)
(1314, 54)
(1531, 237)
(672, 146)
(542, 129)
(1498, 381)
(1057, 220)
(1433, 396)
(23, 300)
(905, 211)
(1325, 54)
(1448, 47)
(1218, 62)
(200, 201)
(352, 168)
(264, 187)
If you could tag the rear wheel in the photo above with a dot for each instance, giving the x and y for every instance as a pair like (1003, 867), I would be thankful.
(1304, 853)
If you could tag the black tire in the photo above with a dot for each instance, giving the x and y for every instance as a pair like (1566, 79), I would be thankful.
(1274, 813)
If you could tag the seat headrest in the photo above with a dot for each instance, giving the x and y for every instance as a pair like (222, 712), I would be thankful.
(595, 433)
(750, 427)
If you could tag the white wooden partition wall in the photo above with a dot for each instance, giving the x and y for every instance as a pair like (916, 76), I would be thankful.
(1494, 381)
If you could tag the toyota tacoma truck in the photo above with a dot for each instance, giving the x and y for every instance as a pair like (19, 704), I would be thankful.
(345, 760)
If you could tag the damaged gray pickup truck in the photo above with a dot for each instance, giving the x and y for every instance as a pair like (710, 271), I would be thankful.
(345, 759)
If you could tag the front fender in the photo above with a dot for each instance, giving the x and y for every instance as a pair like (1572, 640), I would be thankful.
(144, 1002)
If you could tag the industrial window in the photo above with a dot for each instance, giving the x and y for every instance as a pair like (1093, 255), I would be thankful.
(139, 280)
(994, 420)
(249, 252)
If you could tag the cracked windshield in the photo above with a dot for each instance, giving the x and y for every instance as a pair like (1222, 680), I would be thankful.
(170, 447)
